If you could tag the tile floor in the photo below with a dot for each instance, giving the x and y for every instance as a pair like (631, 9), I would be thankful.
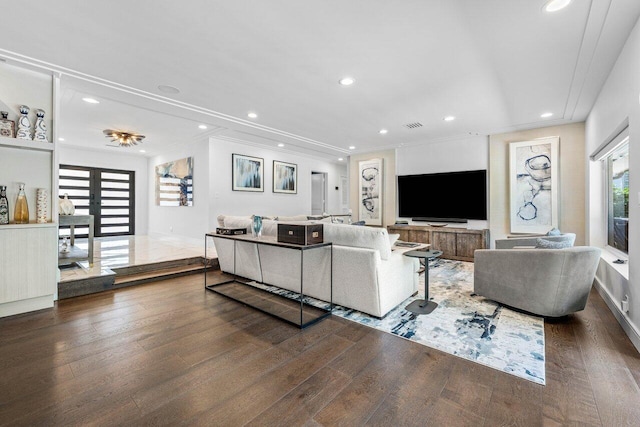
(124, 251)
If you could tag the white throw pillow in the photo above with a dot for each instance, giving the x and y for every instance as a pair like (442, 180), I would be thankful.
(393, 238)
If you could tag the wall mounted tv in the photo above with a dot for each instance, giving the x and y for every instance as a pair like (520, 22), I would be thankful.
(447, 196)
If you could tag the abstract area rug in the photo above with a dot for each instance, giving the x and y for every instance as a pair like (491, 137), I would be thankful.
(463, 324)
(466, 325)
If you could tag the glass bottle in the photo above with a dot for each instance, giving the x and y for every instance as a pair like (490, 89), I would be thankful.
(21, 212)
(7, 127)
(4, 205)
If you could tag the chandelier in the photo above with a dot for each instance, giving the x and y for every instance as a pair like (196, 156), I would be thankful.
(124, 139)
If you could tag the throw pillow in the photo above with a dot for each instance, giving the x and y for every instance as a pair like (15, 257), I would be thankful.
(393, 238)
(551, 244)
(554, 232)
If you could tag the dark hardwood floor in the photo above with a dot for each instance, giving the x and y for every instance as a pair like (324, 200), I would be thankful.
(172, 353)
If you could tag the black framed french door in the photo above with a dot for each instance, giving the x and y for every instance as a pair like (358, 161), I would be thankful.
(107, 194)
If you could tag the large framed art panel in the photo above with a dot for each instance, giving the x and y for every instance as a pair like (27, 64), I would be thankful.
(534, 180)
(247, 173)
(370, 191)
(174, 183)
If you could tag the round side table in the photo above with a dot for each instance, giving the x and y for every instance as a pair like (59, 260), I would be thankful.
(423, 306)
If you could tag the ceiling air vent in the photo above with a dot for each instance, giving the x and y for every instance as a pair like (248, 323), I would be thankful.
(413, 125)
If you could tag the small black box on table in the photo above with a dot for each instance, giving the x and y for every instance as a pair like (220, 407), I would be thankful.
(300, 234)
(230, 231)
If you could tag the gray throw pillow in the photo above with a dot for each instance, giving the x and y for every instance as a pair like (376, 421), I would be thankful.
(553, 232)
(551, 244)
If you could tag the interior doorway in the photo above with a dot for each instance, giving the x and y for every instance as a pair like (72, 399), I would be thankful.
(318, 193)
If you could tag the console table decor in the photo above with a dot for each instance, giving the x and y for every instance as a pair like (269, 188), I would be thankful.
(293, 310)
(75, 254)
(300, 234)
(423, 306)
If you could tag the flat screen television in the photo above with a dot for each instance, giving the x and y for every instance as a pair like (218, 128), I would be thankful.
(447, 196)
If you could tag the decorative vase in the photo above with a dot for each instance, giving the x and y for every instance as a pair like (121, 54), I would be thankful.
(7, 127)
(257, 226)
(64, 247)
(42, 200)
(4, 205)
(21, 211)
(24, 125)
(40, 132)
(65, 207)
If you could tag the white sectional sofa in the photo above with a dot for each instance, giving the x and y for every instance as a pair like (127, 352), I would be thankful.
(368, 275)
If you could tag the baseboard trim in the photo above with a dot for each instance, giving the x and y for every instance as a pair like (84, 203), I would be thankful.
(26, 305)
(628, 327)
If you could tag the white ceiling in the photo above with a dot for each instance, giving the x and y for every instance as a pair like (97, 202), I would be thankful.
(496, 65)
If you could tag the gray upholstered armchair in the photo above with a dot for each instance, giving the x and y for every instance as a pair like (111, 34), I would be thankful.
(545, 282)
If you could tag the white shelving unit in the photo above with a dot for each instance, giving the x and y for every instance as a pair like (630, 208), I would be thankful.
(25, 144)
(29, 252)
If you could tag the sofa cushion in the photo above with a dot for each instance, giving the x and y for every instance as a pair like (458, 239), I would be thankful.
(237, 222)
(291, 218)
(376, 238)
(553, 244)
(393, 238)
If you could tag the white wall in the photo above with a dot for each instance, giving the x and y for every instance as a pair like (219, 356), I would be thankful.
(189, 221)
(463, 154)
(68, 155)
(226, 201)
(618, 101)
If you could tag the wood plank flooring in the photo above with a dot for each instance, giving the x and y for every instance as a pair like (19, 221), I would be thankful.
(172, 353)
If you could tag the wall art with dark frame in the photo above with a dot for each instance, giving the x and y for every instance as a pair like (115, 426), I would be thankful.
(285, 177)
(247, 173)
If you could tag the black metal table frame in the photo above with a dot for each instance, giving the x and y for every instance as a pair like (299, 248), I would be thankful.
(245, 281)
(423, 306)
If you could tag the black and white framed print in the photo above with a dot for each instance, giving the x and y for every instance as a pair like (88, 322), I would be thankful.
(285, 177)
(248, 173)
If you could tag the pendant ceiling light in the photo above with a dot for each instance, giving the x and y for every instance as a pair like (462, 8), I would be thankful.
(124, 139)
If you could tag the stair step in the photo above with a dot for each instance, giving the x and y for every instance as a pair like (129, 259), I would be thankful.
(160, 265)
(159, 274)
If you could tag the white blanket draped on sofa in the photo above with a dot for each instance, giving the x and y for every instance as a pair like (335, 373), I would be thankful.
(368, 275)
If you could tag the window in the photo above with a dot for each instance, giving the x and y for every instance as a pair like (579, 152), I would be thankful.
(617, 187)
(106, 194)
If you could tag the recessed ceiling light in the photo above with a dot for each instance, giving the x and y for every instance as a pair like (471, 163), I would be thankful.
(352, 147)
(340, 159)
(143, 151)
(91, 100)
(346, 81)
(281, 145)
(449, 118)
(556, 5)
(168, 89)
(382, 131)
(60, 139)
(252, 115)
(545, 115)
(202, 126)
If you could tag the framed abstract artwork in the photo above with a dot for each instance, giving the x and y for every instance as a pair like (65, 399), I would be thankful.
(370, 181)
(247, 173)
(534, 179)
(174, 183)
(285, 177)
